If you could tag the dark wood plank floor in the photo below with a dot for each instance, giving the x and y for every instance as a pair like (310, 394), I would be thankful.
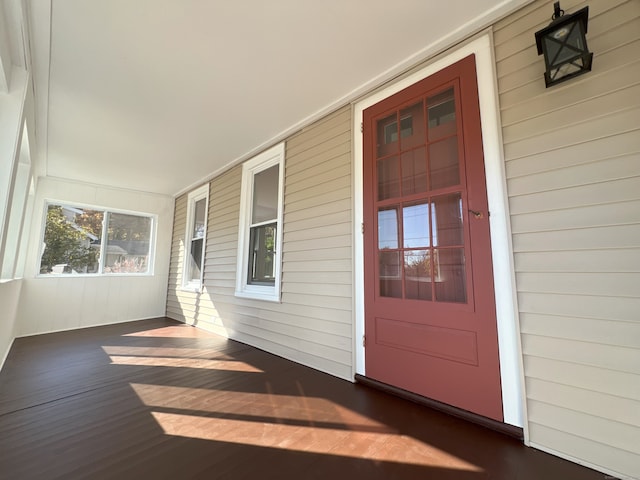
(160, 400)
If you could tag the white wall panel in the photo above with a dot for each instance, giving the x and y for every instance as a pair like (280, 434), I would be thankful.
(9, 298)
(51, 304)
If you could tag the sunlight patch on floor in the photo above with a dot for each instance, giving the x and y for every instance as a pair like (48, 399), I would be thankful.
(385, 447)
(154, 361)
(176, 331)
(275, 407)
(176, 352)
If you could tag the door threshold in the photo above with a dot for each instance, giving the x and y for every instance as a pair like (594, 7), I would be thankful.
(510, 430)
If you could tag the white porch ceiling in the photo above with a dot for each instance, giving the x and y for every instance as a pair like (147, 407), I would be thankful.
(155, 95)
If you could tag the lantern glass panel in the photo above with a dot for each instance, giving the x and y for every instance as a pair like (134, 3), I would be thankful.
(576, 36)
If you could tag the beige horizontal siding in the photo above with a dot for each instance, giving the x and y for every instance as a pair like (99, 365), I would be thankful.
(588, 330)
(577, 447)
(598, 125)
(174, 308)
(606, 284)
(586, 306)
(584, 377)
(601, 260)
(572, 157)
(313, 323)
(618, 164)
(609, 433)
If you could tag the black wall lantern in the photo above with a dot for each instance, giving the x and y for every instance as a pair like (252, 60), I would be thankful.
(564, 45)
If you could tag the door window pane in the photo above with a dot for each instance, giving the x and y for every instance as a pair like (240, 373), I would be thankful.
(414, 172)
(261, 255)
(417, 271)
(265, 195)
(443, 163)
(441, 110)
(415, 220)
(451, 277)
(447, 220)
(390, 280)
(387, 228)
(388, 178)
(387, 135)
(412, 131)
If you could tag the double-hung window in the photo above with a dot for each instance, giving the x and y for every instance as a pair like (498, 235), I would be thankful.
(260, 234)
(195, 238)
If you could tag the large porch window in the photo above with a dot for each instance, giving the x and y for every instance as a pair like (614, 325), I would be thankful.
(80, 240)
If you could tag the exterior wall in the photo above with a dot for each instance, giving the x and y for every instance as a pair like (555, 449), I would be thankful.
(49, 304)
(572, 156)
(313, 323)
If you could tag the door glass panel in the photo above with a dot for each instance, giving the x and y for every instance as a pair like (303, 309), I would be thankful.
(390, 280)
(412, 131)
(450, 275)
(415, 219)
(388, 178)
(414, 172)
(443, 163)
(387, 228)
(417, 274)
(387, 135)
(441, 110)
(446, 221)
(420, 243)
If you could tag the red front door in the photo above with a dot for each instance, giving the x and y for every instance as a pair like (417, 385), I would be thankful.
(429, 302)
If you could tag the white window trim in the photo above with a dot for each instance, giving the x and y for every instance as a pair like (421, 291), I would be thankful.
(152, 242)
(193, 197)
(267, 159)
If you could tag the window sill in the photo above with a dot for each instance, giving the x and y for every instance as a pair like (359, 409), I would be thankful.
(93, 275)
(191, 288)
(267, 296)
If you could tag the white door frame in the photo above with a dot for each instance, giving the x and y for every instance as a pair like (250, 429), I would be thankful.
(511, 368)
